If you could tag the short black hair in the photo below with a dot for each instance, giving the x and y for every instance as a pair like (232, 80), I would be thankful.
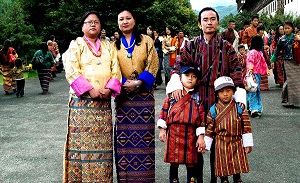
(86, 14)
(241, 46)
(254, 17)
(231, 21)
(257, 43)
(289, 23)
(259, 28)
(207, 9)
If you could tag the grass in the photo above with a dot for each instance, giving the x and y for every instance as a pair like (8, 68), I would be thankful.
(28, 74)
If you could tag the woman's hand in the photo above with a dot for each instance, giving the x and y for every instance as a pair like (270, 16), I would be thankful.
(94, 93)
(131, 86)
(105, 93)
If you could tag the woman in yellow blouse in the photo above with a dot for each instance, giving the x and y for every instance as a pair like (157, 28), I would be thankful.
(94, 75)
(134, 130)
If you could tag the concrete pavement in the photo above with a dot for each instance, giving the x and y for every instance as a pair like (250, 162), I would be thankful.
(33, 129)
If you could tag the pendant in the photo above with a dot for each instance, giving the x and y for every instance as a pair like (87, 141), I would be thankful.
(129, 55)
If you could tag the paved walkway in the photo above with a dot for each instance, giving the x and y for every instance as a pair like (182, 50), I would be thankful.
(33, 129)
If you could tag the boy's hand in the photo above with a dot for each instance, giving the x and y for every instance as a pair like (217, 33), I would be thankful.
(162, 135)
(248, 150)
(201, 144)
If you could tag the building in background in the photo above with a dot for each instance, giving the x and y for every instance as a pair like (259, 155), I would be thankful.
(269, 6)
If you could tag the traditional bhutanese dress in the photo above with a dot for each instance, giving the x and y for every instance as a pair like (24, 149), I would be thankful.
(214, 58)
(247, 36)
(9, 83)
(44, 70)
(291, 87)
(231, 132)
(89, 147)
(278, 71)
(169, 58)
(134, 127)
(182, 120)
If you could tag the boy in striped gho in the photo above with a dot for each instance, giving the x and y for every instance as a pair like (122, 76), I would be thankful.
(228, 125)
(180, 122)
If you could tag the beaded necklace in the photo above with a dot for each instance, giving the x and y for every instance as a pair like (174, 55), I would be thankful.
(93, 50)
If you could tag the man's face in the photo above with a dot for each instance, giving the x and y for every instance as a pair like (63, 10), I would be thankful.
(255, 22)
(209, 22)
(180, 34)
(231, 25)
(103, 34)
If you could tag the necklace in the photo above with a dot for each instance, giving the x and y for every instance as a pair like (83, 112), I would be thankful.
(129, 48)
(92, 50)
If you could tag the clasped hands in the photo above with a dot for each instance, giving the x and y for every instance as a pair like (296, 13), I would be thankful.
(102, 94)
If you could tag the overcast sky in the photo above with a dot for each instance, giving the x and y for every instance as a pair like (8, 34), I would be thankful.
(199, 4)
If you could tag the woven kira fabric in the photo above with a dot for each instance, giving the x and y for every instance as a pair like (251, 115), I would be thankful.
(89, 147)
(134, 137)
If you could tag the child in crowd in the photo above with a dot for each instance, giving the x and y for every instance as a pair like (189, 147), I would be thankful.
(256, 65)
(229, 126)
(242, 56)
(18, 73)
(180, 122)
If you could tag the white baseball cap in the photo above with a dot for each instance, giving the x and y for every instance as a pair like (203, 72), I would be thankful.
(223, 82)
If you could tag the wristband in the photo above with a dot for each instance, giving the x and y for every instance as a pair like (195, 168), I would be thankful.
(136, 84)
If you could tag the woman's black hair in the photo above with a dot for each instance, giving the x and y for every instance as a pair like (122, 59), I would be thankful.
(18, 63)
(171, 29)
(6, 45)
(44, 47)
(257, 43)
(86, 14)
(277, 34)
(137, 34)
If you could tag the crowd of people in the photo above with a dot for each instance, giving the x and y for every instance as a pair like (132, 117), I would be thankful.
(208, 100)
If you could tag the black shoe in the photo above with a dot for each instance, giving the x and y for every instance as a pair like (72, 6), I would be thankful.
(6, 93)
(14, 90)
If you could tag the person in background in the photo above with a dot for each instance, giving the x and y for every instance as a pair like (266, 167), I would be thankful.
(287, 44)
(180, 123)
(256, 65)
(264, 84)
(103, 35)
(18, 73)
(242, 56)
(112, 39)
(215, 57)
(278, 70)
(93, 72)
(169, 48)
(116, 35)
(250, 32)
(54, 54)
(7, 58)
(182, 40)
(150, 32)
(58, 66)
(242, 31)
(46, 61)
(229, 126)
(158, 47)
(135, 110)
(231, 35)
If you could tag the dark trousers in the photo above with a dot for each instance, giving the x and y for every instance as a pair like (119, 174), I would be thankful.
(20, 87)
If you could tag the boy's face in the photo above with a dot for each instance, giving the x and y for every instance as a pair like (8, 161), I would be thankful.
(188, 80)
(242, 51)
(261, 32)
(225, 94)
(288, 29)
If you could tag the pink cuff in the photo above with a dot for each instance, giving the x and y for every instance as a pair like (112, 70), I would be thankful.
(115, 85)
(81, 85)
